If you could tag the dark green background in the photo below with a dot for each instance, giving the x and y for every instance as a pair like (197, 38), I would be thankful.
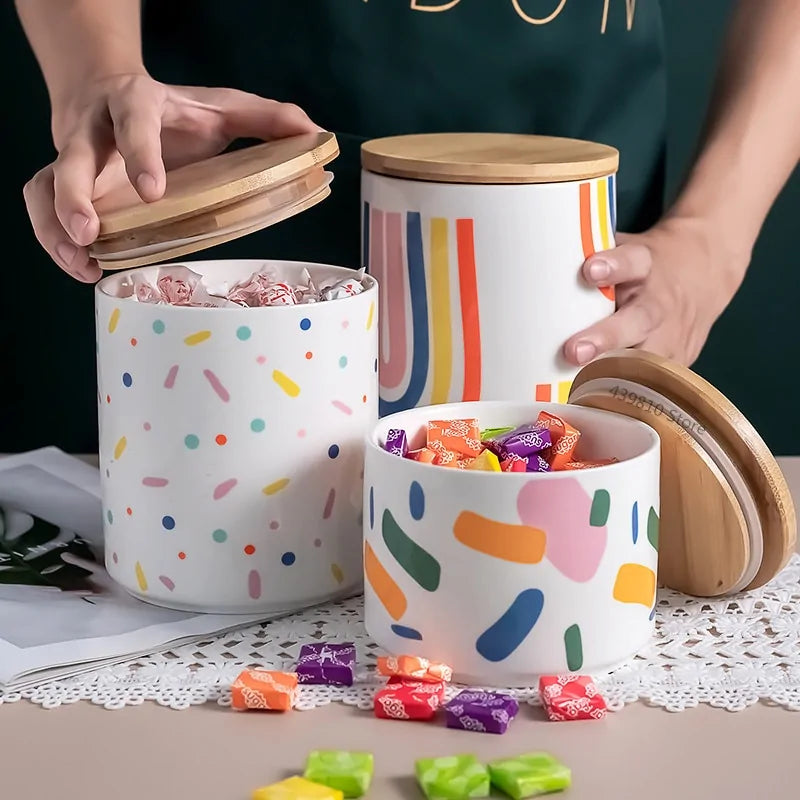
(751, 355)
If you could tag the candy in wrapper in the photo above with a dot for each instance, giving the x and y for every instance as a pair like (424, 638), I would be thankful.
(350, 773)
(536, 462)
(571, 697)
(340, 289)
(529, 775)
(424, 455)
(262, 690)
(414, 668)
(494, 433)
(460, 436)
(397, 442)
(484, 712)
(327, 664)
(420, 687)
(589, 464)
(487, 461)
(403, 701)
(563, 436)
(524, 441)
(296, 788)
(452, 777)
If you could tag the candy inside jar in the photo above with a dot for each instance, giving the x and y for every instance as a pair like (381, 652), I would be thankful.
(177, 285)
(546, 445)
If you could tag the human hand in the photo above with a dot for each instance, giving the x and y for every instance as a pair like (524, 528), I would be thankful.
(131, 128)
(672, 282)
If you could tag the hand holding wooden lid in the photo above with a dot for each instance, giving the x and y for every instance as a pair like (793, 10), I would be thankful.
(213, 201)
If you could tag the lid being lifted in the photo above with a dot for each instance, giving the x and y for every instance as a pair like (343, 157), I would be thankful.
(488, 158)
(727, 516)
(214, 201)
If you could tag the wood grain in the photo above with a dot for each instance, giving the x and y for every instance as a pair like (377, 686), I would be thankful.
(488, 158)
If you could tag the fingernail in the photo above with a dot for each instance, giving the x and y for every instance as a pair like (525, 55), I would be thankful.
(599, 270)
(66, 252)
(585, 352)
(78, 223)
(146, 184)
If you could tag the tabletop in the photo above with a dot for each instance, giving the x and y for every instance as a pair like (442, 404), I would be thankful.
(213, 753)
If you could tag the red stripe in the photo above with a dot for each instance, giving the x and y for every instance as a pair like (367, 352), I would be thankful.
(543, 392)
(587, 242)
(470, 318)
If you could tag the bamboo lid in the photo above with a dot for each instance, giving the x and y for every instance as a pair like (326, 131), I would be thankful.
(214, 201)
(488, 158)
(727, 516)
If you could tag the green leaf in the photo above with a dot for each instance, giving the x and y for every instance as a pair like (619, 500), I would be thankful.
(34, 558)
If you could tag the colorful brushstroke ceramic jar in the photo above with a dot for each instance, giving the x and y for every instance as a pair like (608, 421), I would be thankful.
(506, 576)
(477, 242)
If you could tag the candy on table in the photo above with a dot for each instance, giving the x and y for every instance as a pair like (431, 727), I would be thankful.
(350, 773)
(529, 775)
(571, 697)
(405, 701)
(563, 436)
(414, 668)
(484, 712)
(397, 442)
(419, 687)
(462, 436)
(452, 777)
(262, 690)
(486, 461)
(331, 664)
(296, 788)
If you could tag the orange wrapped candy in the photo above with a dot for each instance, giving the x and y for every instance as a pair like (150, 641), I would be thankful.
(564, 439)
(262, 690)
(414, 668)
(462, 436)
(424, 455)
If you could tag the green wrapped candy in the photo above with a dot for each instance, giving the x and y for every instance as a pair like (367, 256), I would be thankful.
(350, 773)
(530, 775)
(493, 433)
(453, 778)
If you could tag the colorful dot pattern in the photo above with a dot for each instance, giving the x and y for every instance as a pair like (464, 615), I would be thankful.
(194, 421)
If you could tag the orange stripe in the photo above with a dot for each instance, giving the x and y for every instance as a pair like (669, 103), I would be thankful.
(521, 544)
(384, 586)
(543, 392)
(586, 219)
(470, 318)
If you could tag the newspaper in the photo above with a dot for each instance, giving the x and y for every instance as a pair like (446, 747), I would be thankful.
(60, 612)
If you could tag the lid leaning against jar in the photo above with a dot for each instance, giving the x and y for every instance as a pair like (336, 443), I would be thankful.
(488, 158)
(727, 517)
(213, 201)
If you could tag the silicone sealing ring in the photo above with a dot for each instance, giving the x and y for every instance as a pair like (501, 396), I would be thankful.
(710, 446)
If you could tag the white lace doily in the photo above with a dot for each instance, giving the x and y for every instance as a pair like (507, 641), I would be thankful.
(728, 653)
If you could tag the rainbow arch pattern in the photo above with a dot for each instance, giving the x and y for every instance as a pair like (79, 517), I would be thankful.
(394, 248)
(598, 219)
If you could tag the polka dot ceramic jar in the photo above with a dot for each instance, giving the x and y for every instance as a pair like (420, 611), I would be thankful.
(508, 576)
(232, 444)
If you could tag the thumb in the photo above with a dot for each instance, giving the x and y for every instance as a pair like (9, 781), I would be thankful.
(252, 117)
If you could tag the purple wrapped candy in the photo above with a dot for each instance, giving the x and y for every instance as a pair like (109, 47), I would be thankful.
(525, 440)
(397, 442)
(331, 664)
(537, 463)
(484, 712)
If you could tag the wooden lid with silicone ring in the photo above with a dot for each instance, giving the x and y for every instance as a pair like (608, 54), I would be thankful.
(214, 201)
(727, 517)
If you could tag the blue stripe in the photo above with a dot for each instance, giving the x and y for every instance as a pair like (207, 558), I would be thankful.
(635, 522)
(420, 350)
(612, 201)
(365, 239)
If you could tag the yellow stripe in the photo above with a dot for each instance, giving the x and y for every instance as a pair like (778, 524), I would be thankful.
(195, 338)
(602, 211)
(140, 578)
(370, 314)
(113, 320)
(440, 312)
(563, 391)
(120, 448)
(275, 487)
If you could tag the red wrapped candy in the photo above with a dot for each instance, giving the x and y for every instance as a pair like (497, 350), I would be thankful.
(407, 701)
(570, 697)
(419, 687)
